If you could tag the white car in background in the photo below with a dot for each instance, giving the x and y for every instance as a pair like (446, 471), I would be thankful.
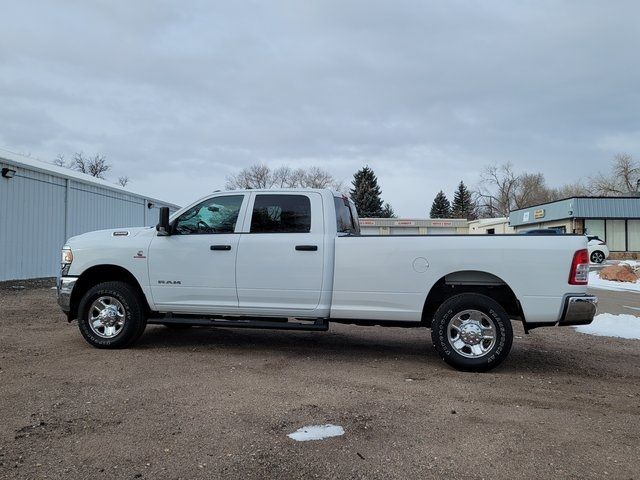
(598, 250)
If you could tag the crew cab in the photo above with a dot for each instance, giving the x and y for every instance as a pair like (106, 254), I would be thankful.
(295, 259)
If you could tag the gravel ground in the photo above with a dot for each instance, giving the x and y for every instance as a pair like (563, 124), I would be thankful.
(213, 403)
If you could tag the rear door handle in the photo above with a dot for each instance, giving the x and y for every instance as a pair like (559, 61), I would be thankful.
(220, 247)
(307, 248)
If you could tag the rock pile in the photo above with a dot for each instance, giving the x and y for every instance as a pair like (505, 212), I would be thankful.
(619, 273)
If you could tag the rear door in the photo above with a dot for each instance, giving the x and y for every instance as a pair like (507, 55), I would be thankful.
(281, 253)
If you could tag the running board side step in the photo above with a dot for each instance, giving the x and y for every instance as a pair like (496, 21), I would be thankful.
(319, 325)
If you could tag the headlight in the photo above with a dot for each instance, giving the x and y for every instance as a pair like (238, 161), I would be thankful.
(67, 255)
(67, 258)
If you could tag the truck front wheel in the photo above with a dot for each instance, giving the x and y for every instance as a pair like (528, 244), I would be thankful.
(472, 332)
(111, 315)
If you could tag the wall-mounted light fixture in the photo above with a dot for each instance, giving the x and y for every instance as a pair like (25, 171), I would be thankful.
(150, 205)
(8, 172)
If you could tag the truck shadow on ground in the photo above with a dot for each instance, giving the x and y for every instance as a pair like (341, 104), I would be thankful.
(370, 344)
(342, 343)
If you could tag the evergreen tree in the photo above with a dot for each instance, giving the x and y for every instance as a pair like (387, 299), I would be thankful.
(441, 207)
(387, 211)
(463, 205)
(366, 193)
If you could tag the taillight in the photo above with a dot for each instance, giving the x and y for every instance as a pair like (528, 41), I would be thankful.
(579, 274)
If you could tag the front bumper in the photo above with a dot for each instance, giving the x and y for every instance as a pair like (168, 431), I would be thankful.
(64, 287)
(578, 310)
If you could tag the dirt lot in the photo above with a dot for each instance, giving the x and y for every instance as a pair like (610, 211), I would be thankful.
(209, 403)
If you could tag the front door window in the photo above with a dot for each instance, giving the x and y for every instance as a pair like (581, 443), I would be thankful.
(215, 215)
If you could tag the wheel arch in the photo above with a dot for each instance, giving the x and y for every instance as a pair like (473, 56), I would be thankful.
(471, 281)
(103, 273)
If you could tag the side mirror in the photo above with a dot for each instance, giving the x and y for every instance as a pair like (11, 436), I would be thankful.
(163, 227)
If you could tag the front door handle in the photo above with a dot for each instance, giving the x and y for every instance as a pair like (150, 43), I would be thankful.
(307, 248)
(221, 247)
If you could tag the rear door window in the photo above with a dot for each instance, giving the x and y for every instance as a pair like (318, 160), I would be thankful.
(281, 214)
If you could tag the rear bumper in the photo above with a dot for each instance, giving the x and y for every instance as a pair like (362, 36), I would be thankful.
(64, 286)
(578, 310)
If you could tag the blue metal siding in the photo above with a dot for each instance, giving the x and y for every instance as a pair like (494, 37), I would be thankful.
(607, 207)
(33, 217)
(94, 209)
(31, 225)
(552, 211)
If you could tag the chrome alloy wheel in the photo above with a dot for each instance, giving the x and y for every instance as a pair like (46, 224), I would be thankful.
(107, 317)
(471, 333)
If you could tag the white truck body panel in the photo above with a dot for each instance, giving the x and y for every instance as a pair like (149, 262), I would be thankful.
(357, 277)
(387, 278)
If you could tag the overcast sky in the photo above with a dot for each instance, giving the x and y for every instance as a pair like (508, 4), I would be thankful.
(178, 95)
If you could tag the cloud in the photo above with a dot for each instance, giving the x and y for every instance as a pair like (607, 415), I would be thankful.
(178, 97)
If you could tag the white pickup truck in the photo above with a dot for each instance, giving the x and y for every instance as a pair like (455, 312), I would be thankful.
(294, 259)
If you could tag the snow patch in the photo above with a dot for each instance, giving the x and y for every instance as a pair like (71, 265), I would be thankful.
(609, 325)
(596, 282)
(316, 432)
(632, 263)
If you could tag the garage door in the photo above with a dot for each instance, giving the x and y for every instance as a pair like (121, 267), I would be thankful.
(369, 230)
(441, 231)
(405, 230)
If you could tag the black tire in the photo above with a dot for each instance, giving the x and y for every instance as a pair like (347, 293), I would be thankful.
(177, 326)
(597, 256)
(131, 306)
(492, 315)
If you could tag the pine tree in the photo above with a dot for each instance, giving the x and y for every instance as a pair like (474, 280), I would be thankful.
(366, 193)
(441, 207)
(387, 211)
(463, 205)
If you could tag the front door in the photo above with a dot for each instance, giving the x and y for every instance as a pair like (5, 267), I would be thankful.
(281, 253)
(194, 267)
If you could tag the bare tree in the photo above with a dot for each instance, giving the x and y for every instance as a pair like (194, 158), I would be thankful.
(496, 190)
(261, 176)
(282, 177)
(531, 189)
(317, 178)
(570, 190)
(257, 175)
(624, 178)
(95, 166)
(502, 190)
(60, 161)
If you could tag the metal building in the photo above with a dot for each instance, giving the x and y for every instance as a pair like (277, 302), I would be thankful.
(412, 226)
(490, 226)
(615, 220)
(42, 205)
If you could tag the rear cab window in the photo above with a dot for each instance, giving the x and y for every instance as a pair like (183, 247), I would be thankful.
(346, 219)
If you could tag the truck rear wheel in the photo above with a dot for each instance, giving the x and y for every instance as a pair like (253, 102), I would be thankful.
(111, 315)
(472, 332)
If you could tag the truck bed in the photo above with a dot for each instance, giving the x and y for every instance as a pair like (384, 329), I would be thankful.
(389, 277)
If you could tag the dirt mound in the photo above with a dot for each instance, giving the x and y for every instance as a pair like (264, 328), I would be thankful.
(619, 273)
